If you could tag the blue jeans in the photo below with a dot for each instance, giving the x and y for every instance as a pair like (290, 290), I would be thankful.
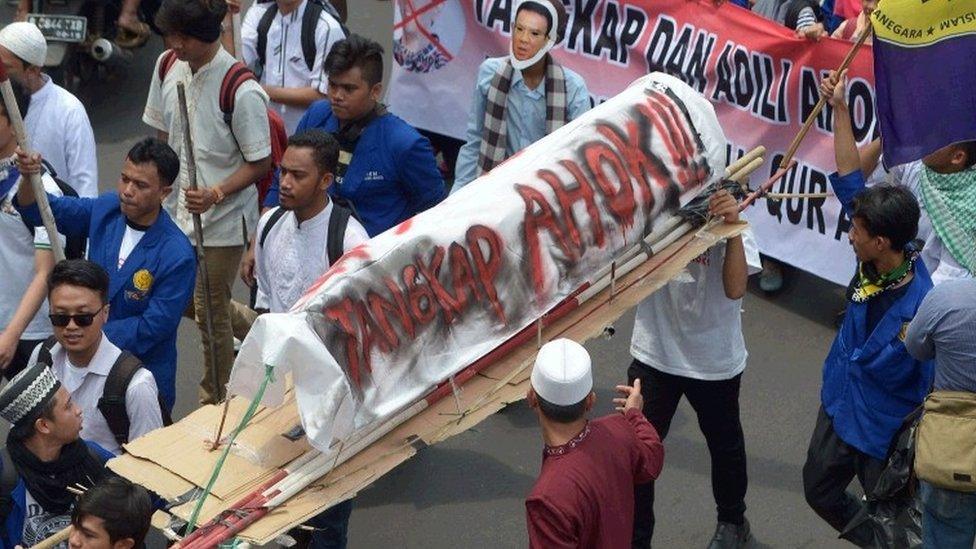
(948, 517)
(331, 527)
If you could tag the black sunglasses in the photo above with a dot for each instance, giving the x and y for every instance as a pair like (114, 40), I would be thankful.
(82, 321)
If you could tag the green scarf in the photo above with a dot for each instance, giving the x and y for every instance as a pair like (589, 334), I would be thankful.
(870, 283)
(950, 202)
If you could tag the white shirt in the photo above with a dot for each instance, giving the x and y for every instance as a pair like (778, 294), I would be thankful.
(285, 64)
(59, 129)
(689, 327)
(129, 240)
(937, 258)
(17, 249)
(293, 257)
(218, 151)
(86, 385)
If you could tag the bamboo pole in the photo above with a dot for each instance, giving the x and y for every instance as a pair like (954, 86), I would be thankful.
(790, 152)
(743, 173)
(40, 195)
(238, 44)
(191, 170)
(764, 188)
(744, 161)
(53, 541)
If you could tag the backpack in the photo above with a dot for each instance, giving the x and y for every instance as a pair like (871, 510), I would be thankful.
(310, 19)
(233, 79)
(338, 221)
(112, 402)
(794, 7)
(74, 246)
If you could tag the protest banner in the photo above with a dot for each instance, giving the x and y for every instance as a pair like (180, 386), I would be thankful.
(761, 79)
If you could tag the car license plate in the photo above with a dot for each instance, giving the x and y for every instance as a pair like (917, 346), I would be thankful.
(60, 28)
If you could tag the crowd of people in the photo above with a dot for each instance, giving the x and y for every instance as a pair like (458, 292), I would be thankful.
(297, 161)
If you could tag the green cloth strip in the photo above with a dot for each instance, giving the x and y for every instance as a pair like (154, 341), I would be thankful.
(268, 378)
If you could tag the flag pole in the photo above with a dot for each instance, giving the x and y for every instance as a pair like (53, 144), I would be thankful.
(808, 123)
(40, 195)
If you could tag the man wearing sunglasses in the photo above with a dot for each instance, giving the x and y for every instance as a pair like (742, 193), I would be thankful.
(150, 262)
(89, 366)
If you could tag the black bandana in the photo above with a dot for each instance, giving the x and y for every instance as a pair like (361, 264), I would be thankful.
(47, 481)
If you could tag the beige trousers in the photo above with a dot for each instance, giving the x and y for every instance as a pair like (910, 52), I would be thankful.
(230, 319)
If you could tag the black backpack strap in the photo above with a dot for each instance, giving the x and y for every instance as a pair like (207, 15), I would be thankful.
(112, 402)
(264, 24)
(275, 216)
(310, 20)
(44, 353)
(338, 222)
(8, 481)
(331, 10)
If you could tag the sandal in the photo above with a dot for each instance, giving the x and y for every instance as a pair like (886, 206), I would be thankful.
(133, 38)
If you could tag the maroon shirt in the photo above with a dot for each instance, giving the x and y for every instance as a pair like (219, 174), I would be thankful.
(584, 496)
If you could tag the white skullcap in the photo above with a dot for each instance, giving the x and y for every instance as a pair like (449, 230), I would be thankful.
(25, 41)
(562, 374)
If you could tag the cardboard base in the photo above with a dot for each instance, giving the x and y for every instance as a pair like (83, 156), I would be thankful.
(175, 460)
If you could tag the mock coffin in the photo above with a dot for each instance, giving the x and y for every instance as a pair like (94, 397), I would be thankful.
(417, 304)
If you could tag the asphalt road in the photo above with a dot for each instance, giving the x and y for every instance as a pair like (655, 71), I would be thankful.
(468, 491)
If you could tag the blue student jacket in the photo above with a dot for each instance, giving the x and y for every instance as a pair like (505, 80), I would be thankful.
(14, 525)
(148, 295)
(392, 177)
(870, 382)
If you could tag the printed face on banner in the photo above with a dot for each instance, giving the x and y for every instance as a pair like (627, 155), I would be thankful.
(762, 81)
(427, 34)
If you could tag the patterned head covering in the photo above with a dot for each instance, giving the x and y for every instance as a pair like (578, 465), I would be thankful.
(27, 394)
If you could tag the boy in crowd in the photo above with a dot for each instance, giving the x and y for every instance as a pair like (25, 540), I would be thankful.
(275, 40)
(296, 243)
(114, 514)
(88, 364)
(46, 456)
(57, 124)
(230, 158)
(386, 170)
(870, 382)
(523, 97)
(25, 257)
(688, 342)
(150, 262)
(584, 496)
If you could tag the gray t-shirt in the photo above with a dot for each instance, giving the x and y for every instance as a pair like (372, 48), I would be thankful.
(945, 328)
